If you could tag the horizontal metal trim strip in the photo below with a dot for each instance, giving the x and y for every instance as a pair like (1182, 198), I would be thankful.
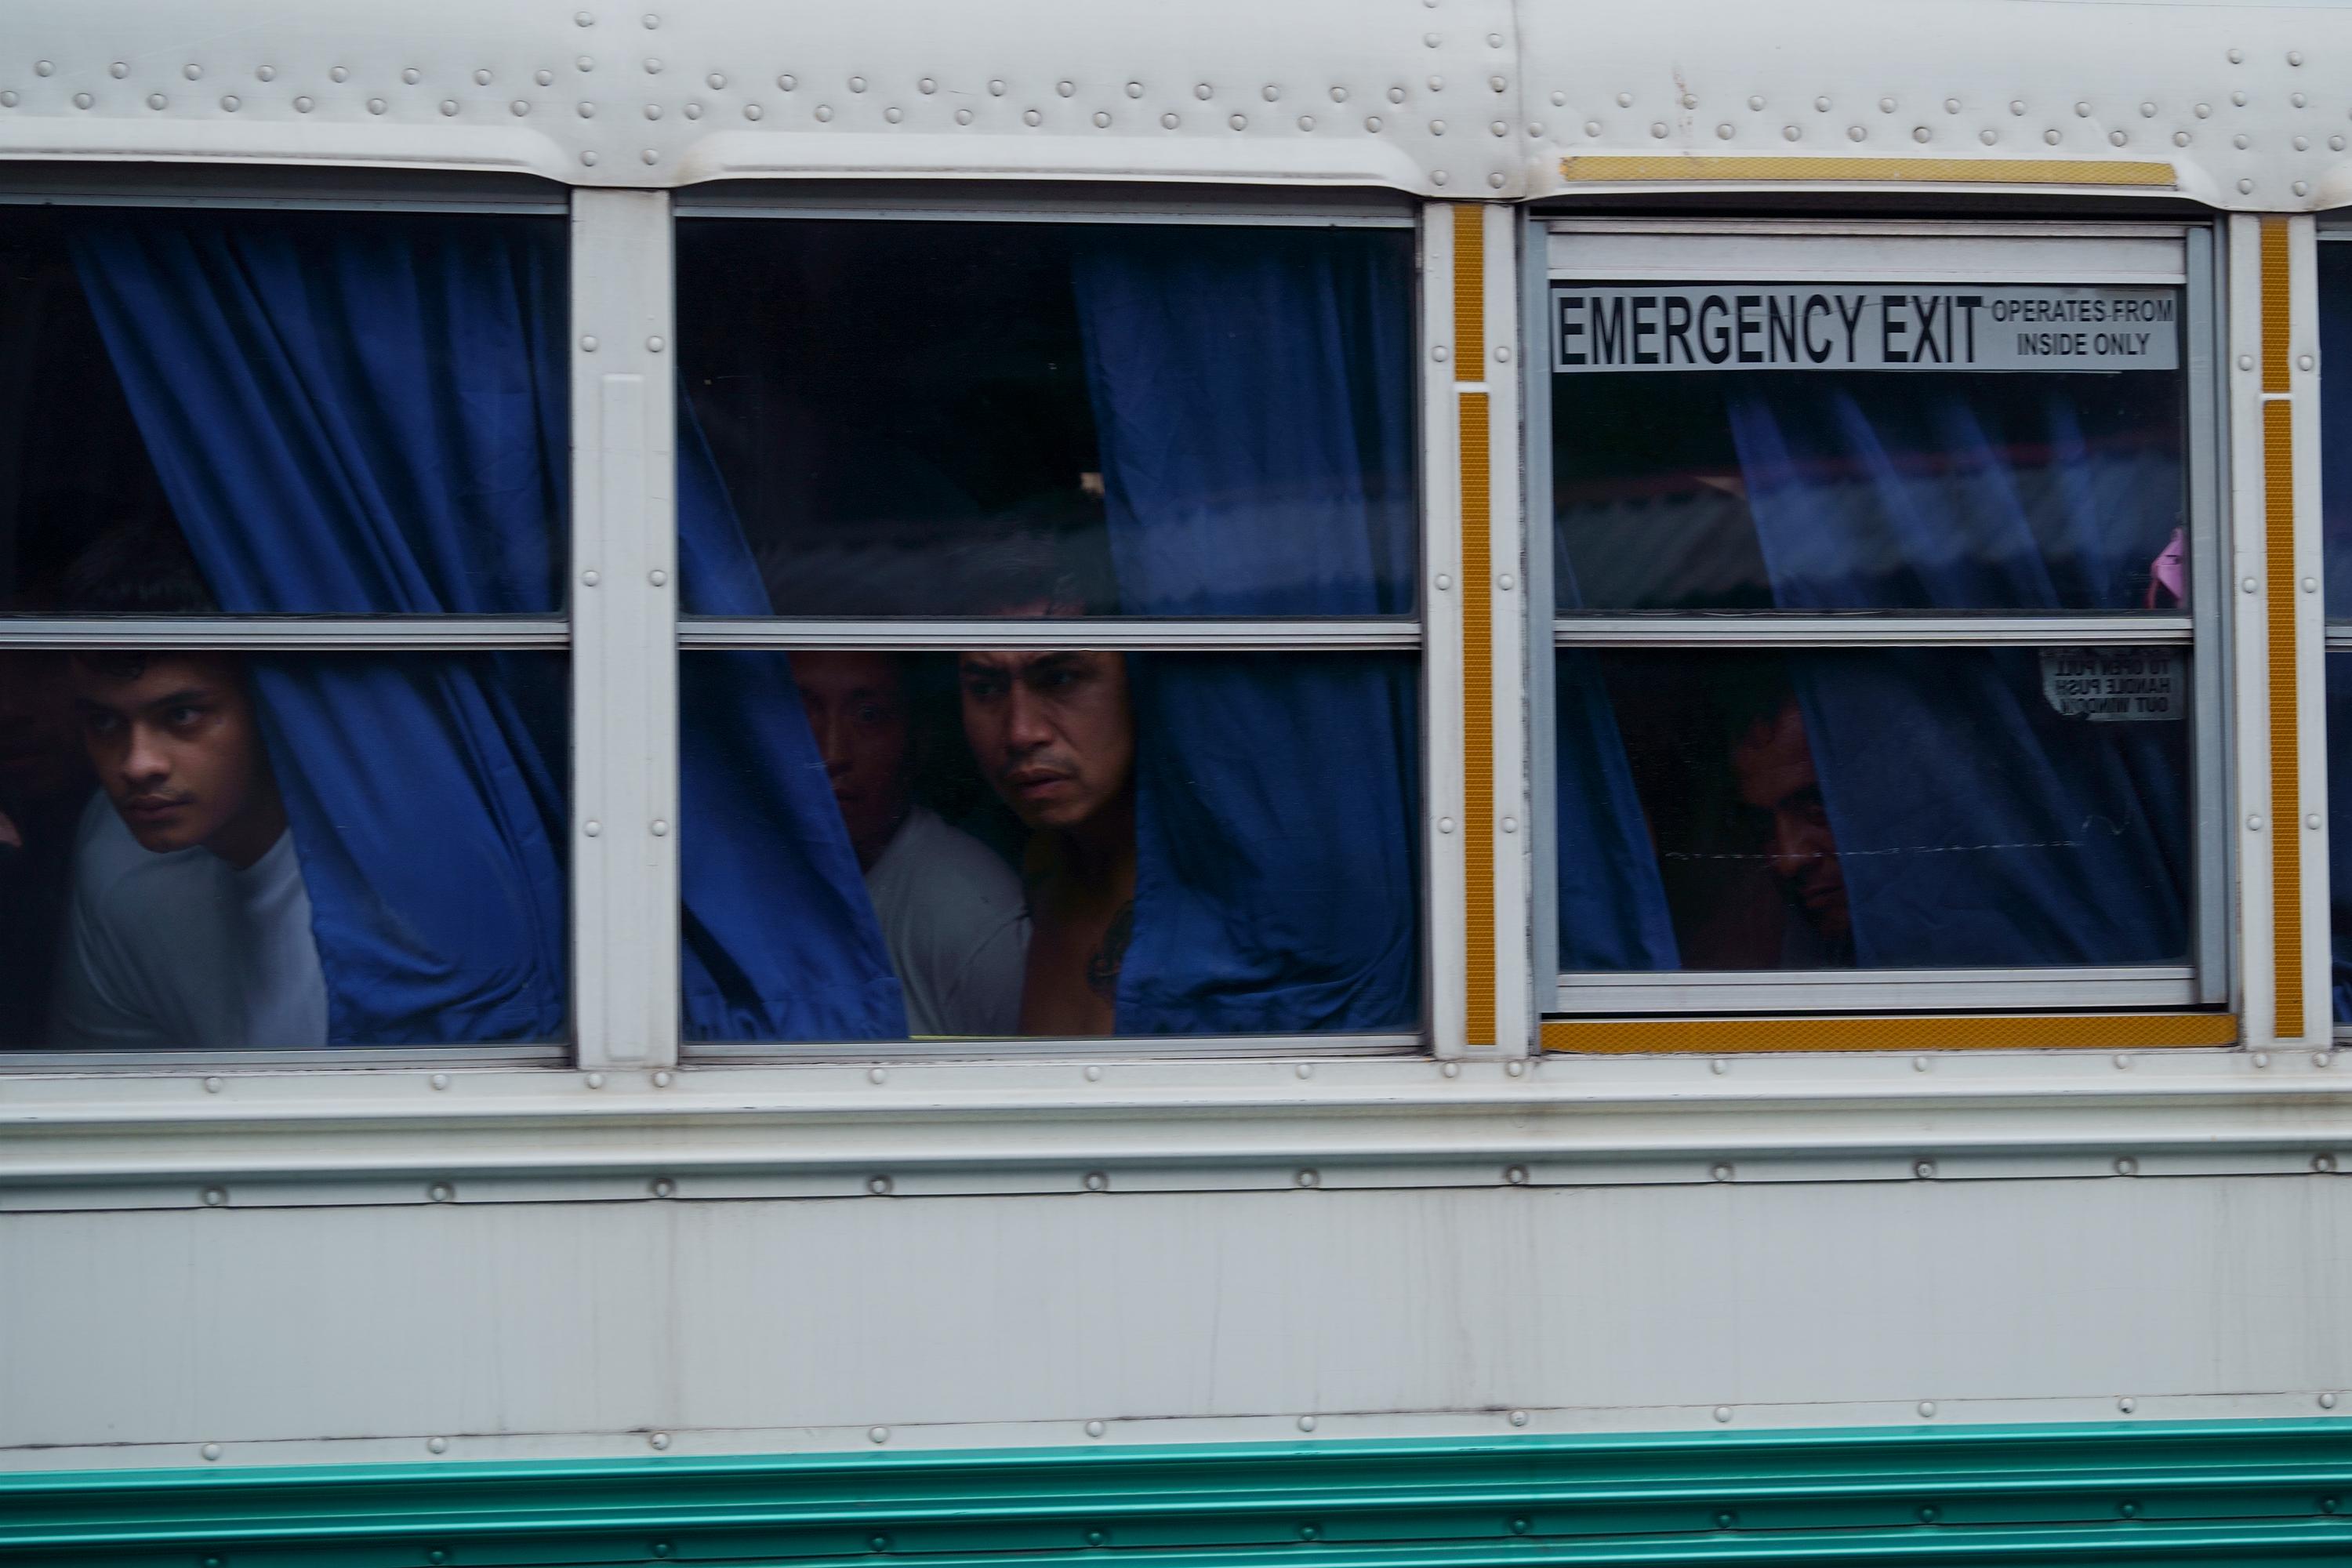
(998, 1048)
(1171, 215)
(1466, 1501)
(287, 634)
(1780, 168)
(1207, 636)
(2036, 1031)
(1866, 228)
(1925, 990)
(1768, 629)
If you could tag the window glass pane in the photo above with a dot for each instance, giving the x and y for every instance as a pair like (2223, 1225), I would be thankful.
(2335, 423)
(352, 414)
(1679, 486)
(1881, 809)
(2339, 844)
(1048, 843)
(975, 419)
(217, 852)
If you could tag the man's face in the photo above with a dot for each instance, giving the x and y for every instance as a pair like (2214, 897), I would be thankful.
(857, 708)
(175, 746)
(1053, 731)
(1775, 769)
(41, 756)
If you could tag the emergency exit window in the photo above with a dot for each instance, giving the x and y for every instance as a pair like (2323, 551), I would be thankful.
(1880, 674)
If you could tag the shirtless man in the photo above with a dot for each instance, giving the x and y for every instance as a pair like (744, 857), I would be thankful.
(1053, 733)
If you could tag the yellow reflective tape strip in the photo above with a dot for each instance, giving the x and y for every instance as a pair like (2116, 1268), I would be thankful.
(2005, 1031)
(1478, 628)
(1646, 167)
(2274, 304)
(2278, 552)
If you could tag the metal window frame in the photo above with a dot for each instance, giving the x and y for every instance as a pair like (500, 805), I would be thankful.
(1413, 632)
(290, 190)
(2335, 632)
(1850, 244)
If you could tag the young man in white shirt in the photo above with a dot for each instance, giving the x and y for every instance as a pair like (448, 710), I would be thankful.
(949, 908)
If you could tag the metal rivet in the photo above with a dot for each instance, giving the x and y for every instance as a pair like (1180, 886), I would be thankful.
(2051, 136)
(1305, 1069)
(448, 106)
(657, 577)
(587, 111)
(583, 19)
(1721, 1172)
(1718, 1067)
(212, 1086)
(2128, 1510)
(519, 107)
(8, 99)
(1726, 1519)
(1822, 105)
(1094, 1428)
(157, 100)
(2241, 141)
(440, 1080)
(1169, 120)
(2303, 144)
(2122, 1060)
(1657, 128)
(1096, 1182)
(1098, 1537)
(2327, 1402)
(751, 111)
(2304, 361)
(1855, 132)
(2126, 1404)
(661, 1548)
(878, 1433)
(877, 1075)
(1518, 1417)
(2128, 1166)
(1094, 1074)
(1593, 128)
(1919, 1064)
(2248, 585)
(1505, 582)
(2302, 187)
(664, 1079)
(655, 345)
(1885, 106)
(1510, 824)
(216, 1197)
(1723, 1412)
(2336, 144)
(824, 111)
(595, 1080)
(878, 1185)
(964, 117)
(1445, 824)
(2323, 1163)
(2253, 824)
(1791, 133)
(2118, 138)
(2322, 1059)
(544, 79)
(1307, 1423)
(1755, 101)
(210, 1450)
(1925, 1170)
(1723, 133)
(1927, 1407)
(591, 827)
(440, 1192)
(2312, 821)
(1451, 1070)
(1515, 1069)
(857, 84)
(1519, 1526)
(878, 1543)
(1441, 354)
(43, 68)
(481, 78)
(437, 1445)
(412, 76)
(788, 82)
(1103, 121)
(659, 1439)
(2181, 139)
(1929, 1515)
(589, 159)
(652, 22)
(1624, 100)
(2239, 97)
(1500, 128)
(1517, 1175)
(663, 1187)
(2262, 1058)
(659, 829)
(1444, 582)
(375, 106)
(1308, 1179)
(1238, 122)
(653, 111)
(2245, 187)
(1437, 128)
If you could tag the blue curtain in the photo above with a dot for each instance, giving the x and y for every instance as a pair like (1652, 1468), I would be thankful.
(1253, 400)
(2336, 553)
(1975, 825)
(781, 939)
(370, 419)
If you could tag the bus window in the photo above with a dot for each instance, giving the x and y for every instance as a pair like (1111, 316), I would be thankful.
(1016, 797)
(2335, 531)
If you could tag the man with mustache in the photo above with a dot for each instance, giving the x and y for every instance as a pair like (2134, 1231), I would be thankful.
(189, 925)
(1053, 733)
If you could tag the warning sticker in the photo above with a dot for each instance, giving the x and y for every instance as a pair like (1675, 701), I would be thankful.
(2117, 685)
(1781, 326)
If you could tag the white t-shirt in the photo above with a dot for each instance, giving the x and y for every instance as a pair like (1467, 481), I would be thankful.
(184, 950)
(957, 927)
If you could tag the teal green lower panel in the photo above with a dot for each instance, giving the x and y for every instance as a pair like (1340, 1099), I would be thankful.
(2182, 1494)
